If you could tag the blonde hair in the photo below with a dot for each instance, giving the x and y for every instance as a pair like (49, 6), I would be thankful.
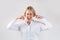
(30, 8)
(34, 14)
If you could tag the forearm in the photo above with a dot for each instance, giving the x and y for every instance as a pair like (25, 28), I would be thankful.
(43, 21)
(11, 23)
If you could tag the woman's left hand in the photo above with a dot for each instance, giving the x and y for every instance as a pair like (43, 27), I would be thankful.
(39, 17)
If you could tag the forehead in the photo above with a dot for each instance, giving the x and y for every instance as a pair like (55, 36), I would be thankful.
(29, 11)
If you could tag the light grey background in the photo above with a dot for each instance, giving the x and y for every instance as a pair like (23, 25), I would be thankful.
(10, 9)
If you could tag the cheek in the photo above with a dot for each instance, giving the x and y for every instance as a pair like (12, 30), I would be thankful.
(31, 15)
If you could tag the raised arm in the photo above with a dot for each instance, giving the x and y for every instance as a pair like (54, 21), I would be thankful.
(14, 25)
(44, 23)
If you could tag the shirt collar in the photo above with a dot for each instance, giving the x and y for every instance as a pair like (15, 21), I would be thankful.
(25, 21)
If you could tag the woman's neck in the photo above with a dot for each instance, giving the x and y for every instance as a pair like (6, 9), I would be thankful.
(29, 21)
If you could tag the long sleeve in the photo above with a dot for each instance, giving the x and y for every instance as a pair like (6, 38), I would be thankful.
(44, 24)
(47, 25)
(14, 25)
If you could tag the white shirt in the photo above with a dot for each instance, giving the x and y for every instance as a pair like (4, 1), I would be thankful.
(30, 32)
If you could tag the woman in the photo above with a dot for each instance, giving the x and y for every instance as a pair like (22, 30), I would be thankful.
(29, 24)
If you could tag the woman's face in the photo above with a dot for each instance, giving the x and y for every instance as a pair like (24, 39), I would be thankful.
(29, 14)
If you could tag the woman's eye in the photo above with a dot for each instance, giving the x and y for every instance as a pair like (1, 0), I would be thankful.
(27, 14)
(30, 14)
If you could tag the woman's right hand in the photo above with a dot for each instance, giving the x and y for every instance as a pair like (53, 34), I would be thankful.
(20, 17)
